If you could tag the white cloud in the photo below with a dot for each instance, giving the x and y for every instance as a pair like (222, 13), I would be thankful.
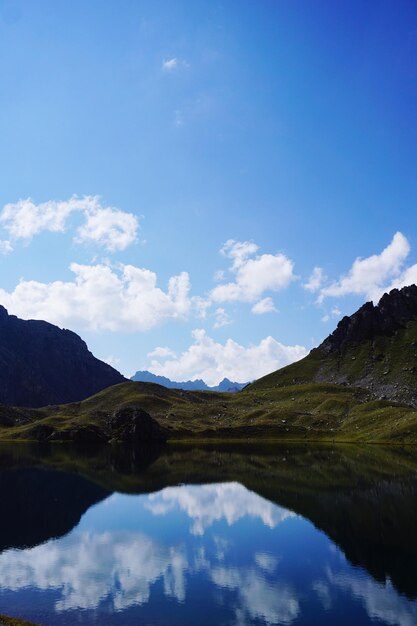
(315, 280)
(221, 318)
(407, 277)
(381, 601)
(266, 561)
(374, 275)
(100, 298)
(82, 569)
(111, 228)
(5, 247)
(201, 306)
(111, 360)
(322, 589)
(207, 504)
(253, 276)
(162, 352)
(108, 227)
(334, 312)
(266, 305)
(219, 275)
(214, 361)
(259, 599)
(238, 251)
(169, 64)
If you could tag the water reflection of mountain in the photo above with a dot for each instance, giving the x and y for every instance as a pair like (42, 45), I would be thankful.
(364, 499)
(38, 504)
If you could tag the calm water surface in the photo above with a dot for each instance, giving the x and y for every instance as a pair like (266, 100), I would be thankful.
(267, 536)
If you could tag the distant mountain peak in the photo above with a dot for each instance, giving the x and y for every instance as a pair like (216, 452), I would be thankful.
(190, 385)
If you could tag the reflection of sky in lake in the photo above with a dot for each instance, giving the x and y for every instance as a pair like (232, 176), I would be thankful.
(219, 554)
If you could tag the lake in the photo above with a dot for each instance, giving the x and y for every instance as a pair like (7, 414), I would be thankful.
(301, 535)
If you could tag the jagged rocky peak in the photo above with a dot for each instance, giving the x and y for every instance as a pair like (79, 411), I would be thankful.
(42, 364)
(393, 311)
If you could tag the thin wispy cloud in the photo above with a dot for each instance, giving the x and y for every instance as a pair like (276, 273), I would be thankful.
(173, 64)
(168, 65)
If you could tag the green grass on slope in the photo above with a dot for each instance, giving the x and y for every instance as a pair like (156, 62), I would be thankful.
(311, 412)
(303, 371)
(386, 365)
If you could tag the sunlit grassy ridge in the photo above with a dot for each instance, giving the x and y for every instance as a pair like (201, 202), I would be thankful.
(315, 412)
(385, 365)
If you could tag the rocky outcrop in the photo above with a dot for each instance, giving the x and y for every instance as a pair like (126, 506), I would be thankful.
(41, 364)
(134, 426)
(129, 425)
(393, 311)
(375, 349)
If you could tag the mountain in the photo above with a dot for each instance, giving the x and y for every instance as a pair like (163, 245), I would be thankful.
(189, 385)
(375, 348)
(41, 364)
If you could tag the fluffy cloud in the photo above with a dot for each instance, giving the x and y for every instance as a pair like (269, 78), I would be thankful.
(108, 227)
(111, 228)
(162, 352)
(381, 601)
(374, 275)
(315, 281)
(99, 298)
(83, 567)
(266, 305)
(206, 504)
(258, 598)
(5, 247)
(213, 361)
(238, 251)
(253, 276)
(221, 318)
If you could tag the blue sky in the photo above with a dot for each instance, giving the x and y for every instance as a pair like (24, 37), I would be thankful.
(237, 145)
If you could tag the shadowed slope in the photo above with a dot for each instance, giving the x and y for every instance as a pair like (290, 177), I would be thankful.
(42, 364)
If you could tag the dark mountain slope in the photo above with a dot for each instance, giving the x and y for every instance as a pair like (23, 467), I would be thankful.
(41, 364)
(375, 348)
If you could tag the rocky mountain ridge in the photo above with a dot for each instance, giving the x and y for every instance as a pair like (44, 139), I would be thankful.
(375, 348)
(225, 385)
(41, 364)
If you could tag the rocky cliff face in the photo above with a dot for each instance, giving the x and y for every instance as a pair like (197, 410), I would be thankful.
(41, 364)
(375, 348)
(393, 312)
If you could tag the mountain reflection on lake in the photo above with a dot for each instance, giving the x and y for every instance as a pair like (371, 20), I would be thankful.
(296, 535)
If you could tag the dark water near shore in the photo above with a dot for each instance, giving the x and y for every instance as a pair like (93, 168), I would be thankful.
(267, 535)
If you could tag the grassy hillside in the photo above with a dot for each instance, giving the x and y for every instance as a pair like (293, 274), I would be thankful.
(300, 412)
(384, 365)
